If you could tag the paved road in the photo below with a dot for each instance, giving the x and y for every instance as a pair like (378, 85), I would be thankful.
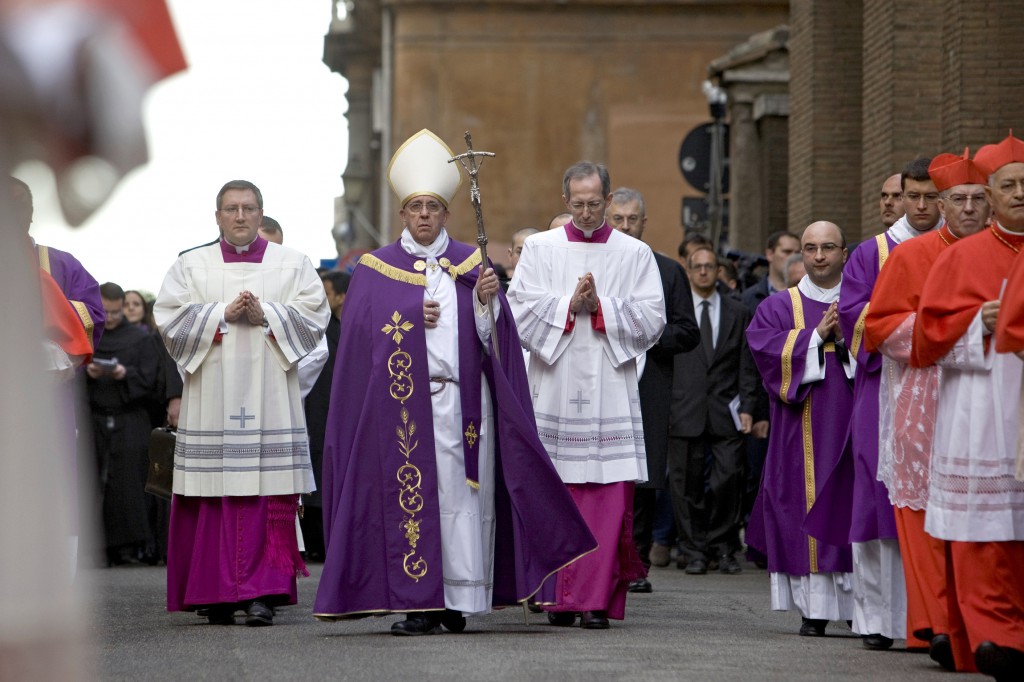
(712, 627)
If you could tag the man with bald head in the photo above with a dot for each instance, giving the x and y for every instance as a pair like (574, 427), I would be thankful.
(879, 592)
(799, 348)
(890, 202)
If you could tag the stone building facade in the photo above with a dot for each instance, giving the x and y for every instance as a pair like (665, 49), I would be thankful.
(543, 84)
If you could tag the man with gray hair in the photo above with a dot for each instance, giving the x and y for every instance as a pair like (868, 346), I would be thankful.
(588, 303)
(627, 214)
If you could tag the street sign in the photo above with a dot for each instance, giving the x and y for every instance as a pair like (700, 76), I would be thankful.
(695, 158)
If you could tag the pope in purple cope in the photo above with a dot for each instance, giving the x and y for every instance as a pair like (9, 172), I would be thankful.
(439, 500)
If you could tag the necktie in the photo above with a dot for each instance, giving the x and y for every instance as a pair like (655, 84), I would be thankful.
(706, 339)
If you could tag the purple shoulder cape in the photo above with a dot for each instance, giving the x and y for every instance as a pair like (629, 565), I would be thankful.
(380, 488)
(779, 337)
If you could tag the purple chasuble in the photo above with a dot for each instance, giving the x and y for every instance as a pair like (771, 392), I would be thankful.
(600, 235)
(779, 337)
(79, 287)
(381, 519)
(856, 481)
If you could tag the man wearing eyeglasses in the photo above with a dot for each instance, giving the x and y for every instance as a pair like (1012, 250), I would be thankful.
(799, 348)
(713, 398)
(439, 500)
(627, 214)
(975, 492)
(879, 590)
(588, 302)
(237, 317)
(909, 398)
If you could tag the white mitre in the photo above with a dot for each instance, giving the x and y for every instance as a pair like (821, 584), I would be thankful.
(420, 167)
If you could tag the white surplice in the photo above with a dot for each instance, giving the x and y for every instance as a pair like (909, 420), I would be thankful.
(242, 430)
(973, 495)
(467, 513)
(584, 382)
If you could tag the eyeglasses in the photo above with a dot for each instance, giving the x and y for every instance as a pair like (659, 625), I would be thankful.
(914, 197)
(960, 200)
(418, 206)
(826, 248)
(594, 206)
(233, 210)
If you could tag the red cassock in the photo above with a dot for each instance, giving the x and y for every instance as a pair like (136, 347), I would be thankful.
(895, 297)
(967, 275)
(1010, 324)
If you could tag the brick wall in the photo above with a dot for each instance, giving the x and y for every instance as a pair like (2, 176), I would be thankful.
(825, 113)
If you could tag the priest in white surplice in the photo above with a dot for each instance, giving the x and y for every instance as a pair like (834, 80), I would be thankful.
(588, 302)
(237, 316)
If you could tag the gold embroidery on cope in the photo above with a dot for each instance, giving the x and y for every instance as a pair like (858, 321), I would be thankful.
(471, 435)
(410, 478)
(787, 348)
(809, 485)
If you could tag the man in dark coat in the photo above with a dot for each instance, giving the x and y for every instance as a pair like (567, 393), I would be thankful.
(627, 214)
(121, 379)
(713, 400)
(317, 402)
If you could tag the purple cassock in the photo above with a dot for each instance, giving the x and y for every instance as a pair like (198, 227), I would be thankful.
(810, 431)
(381, 519)
(854, 482)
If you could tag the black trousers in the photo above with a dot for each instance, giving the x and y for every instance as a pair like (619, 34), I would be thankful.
(707, 501)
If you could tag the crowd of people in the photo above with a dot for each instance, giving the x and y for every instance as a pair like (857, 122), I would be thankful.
(850, 420)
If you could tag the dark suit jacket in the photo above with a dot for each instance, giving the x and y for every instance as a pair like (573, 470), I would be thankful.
(701, 393)
(681, 334)
(317, 402)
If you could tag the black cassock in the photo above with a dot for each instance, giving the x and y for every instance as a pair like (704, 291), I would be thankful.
(121, 428)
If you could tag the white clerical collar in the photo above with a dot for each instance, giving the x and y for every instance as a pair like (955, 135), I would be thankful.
(901, 230)
(432, 250)
(1005, 230)
(816, 293)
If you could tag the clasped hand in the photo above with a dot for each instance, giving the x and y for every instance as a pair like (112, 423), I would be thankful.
(585, 296)
(246, 306)
(829, 325)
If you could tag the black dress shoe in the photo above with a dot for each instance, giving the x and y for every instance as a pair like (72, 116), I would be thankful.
(453, 621)
(696, 567)
(728, 565)
(418, 623)
(1001, 662)
(258, 615)
(876, 642)
(812, 627)
(594, 620)
(562, 619)
(640, 585)
(940, 649)
(221, 614)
